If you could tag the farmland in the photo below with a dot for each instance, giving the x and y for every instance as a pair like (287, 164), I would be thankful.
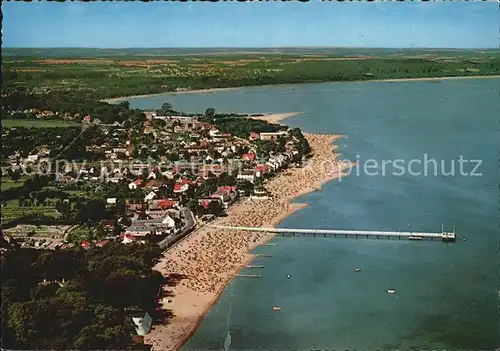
(113, 73)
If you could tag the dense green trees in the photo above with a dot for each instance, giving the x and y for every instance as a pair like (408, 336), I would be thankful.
(210, 112)
(241, 127)
(86, 310)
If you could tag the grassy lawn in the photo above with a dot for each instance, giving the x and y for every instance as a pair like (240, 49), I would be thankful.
(79, 234)
(8, 183)
(11, 210)
(35, 123)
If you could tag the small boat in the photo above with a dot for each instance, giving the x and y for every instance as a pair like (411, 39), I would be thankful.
(276, 308)
(413, 237)
(391, 291)
(288, 276)
(357, 270)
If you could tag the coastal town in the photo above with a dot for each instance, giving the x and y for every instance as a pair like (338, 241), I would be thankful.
(167, 174)
(160, 178)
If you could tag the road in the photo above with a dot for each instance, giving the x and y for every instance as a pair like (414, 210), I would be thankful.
(189, 225)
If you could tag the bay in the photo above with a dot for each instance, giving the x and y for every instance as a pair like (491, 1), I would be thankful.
(447, 296)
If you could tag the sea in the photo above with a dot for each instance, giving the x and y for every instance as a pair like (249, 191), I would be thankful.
(446, 294)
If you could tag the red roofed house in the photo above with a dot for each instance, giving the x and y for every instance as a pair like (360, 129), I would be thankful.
(226, 194)
(127, 239)
(248, 157)
(204, 202)
(101, 243)
(227, 188)
(254, 136)
(87, 119)
(165, 204)
(261, 169)
(182, 186)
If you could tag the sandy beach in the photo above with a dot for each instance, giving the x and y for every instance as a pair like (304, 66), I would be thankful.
(276, 118)
(209, 258)
(116, 100)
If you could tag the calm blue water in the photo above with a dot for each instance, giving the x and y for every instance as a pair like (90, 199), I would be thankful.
(447, 296)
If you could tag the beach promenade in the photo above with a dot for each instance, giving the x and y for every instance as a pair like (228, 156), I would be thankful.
(210, 257)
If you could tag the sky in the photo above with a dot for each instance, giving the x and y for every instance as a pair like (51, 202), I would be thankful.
(251, 24)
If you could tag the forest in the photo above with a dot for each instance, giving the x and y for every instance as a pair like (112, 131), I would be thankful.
(77, 298)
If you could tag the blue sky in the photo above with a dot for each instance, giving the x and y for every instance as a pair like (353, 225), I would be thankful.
(253, 24)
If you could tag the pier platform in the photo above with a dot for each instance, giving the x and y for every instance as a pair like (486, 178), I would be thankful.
(443, 236)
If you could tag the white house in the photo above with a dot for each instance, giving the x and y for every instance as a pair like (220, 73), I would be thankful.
(32, 158)
(111, 200)
(246, 175)
(142, 323)
(150, 196)
(213, 132)
(152, 175)
(168, 221)
(134, 184)
(272, 135)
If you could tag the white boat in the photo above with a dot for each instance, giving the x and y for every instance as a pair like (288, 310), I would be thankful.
(391, 291)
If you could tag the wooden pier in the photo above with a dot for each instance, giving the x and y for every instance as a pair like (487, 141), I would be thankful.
(249, 275)
(263, 255)
(443, 236)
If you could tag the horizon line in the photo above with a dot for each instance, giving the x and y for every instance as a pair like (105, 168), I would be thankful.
(252, 47)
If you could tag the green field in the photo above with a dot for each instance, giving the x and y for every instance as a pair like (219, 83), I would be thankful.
(35, 123)
(105, 73)
(8, 183)
(12, 211)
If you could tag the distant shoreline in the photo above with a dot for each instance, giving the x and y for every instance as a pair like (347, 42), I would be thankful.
(125, 98)
(213, 90)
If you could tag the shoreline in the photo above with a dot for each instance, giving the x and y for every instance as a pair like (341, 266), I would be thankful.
(119, 99)
(211, 258)
(194, 91)
(276, 118)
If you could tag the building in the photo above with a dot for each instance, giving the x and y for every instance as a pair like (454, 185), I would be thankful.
(168, 221)
(213, 132)
(162, 204)
(150, 196)
(272, 135)
(246, 175)
(205, 201)
(248, 157)
(182, 186)
(32, 158)
(253, 136)
(142, 321)
(135, 184)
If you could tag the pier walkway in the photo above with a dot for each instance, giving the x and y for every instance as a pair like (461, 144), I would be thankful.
(444, 236)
